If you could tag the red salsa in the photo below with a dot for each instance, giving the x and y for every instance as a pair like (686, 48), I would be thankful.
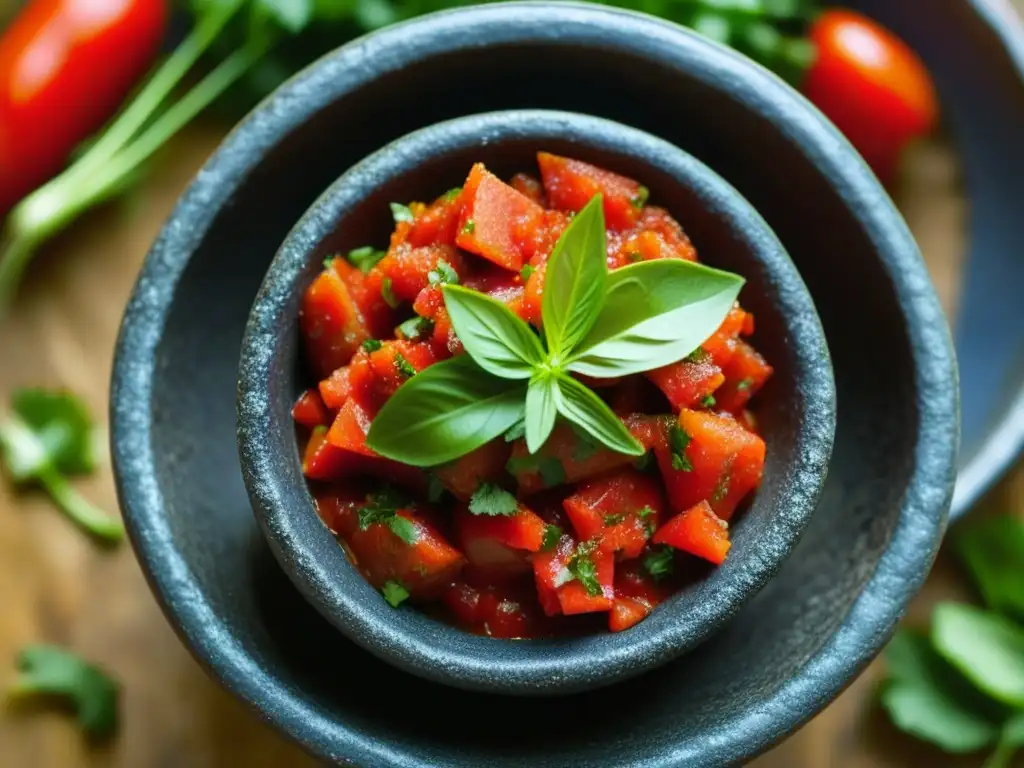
(501, 541)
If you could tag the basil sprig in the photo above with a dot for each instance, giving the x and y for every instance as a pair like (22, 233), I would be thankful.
(595, 323)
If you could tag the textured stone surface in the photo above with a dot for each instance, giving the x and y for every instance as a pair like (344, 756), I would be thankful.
(788, 652)
(798, 417)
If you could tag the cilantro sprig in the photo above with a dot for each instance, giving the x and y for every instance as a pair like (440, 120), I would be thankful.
(382, 507)
(596, 323)
(48, 437)
(961, 685)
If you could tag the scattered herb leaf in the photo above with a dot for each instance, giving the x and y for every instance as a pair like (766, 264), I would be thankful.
(709, 401)
(452, 194)
(416, 328)
(992, 550)
(443, 274)
(388, 294)
(526, 272)
(403, 366)
(469, 227)
(494, 501)
(744, 385)
(552, 471)
(678, 440)
(552, 535)
(659, 562)
(382, 507)
(612, 520)
(364, 259)
(401, 213)
(394, 593)
(641, 197)
(372, 345)
(581, 565)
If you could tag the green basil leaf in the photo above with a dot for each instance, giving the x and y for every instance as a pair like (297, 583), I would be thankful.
(444, 412)
(993, 552)
(588, 411)
(654, 313)
(987, 648)
(575, 279)
(540, 411)
(500, 342)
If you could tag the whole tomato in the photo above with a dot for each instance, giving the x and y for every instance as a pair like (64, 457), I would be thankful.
(872, 86)
(65, 67)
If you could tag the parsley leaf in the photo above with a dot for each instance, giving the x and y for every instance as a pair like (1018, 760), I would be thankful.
(709, 401)
(443, 274)
(678, 440)
(364, 259)
(49, 671)
(641, 197)
(494, 501)
(48, 436)
(552, 535)
(394, 593)
(649, 518)
(403, 366)
(372, 345)
(469, 227)
(526, 271)
(416, 328)
(401, 213)
(388, 294)
(659, 562)
(612, 520)
(382, 507)
(581, 565)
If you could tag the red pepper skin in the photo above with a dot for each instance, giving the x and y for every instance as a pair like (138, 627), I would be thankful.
(65, 67)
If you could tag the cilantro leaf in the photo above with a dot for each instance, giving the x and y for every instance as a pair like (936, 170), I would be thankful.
(49, 671)
(582, 567)
(382, 507)
(452, 194)
(394, 593)
(469, 227)
(372, 345)
(403, 366)
(494, 501)
(364, 259)
(401, 213)
(552, 535)
(709, 401)
(526, 272)
(678, 440)
(659, 562)
(744, 385)
(387, 293)
(47, 436)
(416, 328)
(443, 274)
(612, 520)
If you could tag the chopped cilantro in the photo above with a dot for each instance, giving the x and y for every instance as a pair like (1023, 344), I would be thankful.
(401, 213)
(722, 488)
(469, 227)
(634, 256)
(515, 432)
(329, 262)
(382, 507)
(581, 566)
(640, 198)
(416, 328)
(494, 501)
(648, 516)
(372, 345)
(744, 385)
(552, 535)
(443, 274)
(387, 293)
(452, 194)
(697, 356)
(403, 366)
(395, 593)
(526, 272)
(610, 520)
(658, 562)
(677, 441)
(709, 401)
(364, 259)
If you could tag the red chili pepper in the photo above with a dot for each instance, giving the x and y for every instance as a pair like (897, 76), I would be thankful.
(65, 67)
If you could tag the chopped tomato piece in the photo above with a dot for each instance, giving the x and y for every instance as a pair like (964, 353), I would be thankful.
(323, 461)
(527, 185)
(405, 271)
(745, 374)
(622, 509)
(505, 611)
(486, 464)
(375, 378)
(349, 429)
(687, 383)
(533, 295)
(636, 595)
(309, 410)
(495, 218)
(722, 463)
(340, 510)
(698, 531)
(424, 567)
(497, 547)
(352, 456)
(499, 284)
(559, 591)
(550, 570)
(576, 598)
(437, 224)
(378, 316)
(332, 326)
(570, 185)
(336, 389)
(722, 343)
(661, 222)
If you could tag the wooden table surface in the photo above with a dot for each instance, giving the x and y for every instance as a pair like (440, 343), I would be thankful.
(55, 586)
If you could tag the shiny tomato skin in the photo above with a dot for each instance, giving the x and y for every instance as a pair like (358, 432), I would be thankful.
(65, 66)
(698, 531)
(871, 85)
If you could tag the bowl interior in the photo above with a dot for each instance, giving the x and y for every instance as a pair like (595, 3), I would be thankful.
(789, 651)
(796, 413)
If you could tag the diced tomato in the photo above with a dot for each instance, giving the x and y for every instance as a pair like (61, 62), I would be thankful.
(496, 547)
(438, 223)
(388, 368)
(636, 394)
(495, 218)
(745, 374)
(570, 185)
(486, 464)
(622, 509)
(352, 456)
(533, 296)
(349, 429)
(309, 410)
(550, 569)
(559, 592)
(724, 463)
(687, 383)
(636, 595)
(339, 510)
(749, 421)
(332, 326)
(378, 316)
(574, 596)
(527, 185)
(498, 283)
(424, 568)
(722, 343)
(408, 269)
(323, 461)
(697, 531)
(336, 389)
(564, 458)
(463, 601)
(504, 611)
(662, 223)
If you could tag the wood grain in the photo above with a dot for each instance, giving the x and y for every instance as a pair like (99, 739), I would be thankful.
(57, 587)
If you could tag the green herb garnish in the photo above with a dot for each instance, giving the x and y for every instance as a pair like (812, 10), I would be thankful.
(659, 562)
(596, 323)
(401, 213)
(403, 366)
(709, 401)
(452, 194)
(416, 328)
(382, 507)
(494, 501)
(364, 259)
(469, 227)
(640, 199)
(388, 294)
(48, 437)
(582, 567)
(612, 520)
(744, 385)
(372, 345)
(552, 535)
(443, 274)
(394, 593)
(526, 271)
(678, 440)
(515, 432)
